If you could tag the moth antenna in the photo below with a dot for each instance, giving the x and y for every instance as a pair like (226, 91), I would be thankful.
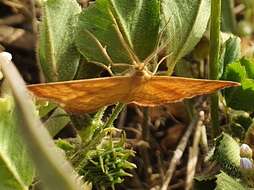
(162, 32)
(154, 53)
(158, 47)
(126, 46)
(103, 49)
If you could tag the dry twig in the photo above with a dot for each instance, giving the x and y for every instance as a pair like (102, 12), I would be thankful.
(178, 154)
(193, 152)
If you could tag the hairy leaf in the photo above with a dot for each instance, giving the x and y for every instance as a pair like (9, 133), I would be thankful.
(226, 182)
(16, 169)
(138, 22)
(53, 169)
(186, 22)
(57, 53)
(227, 154)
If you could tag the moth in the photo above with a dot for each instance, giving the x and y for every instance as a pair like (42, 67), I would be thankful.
(140, 86)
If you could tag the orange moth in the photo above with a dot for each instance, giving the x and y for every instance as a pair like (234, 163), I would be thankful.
(140, 87)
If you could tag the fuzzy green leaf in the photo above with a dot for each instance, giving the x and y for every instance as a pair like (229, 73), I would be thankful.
(187, 21)
(241, 98)
(226, 182)
(57, 53)
(227, 154)
(53, 169)
(16, 169)
(139, 24)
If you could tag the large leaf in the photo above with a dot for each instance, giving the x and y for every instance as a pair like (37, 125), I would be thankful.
(227, 154)
(16, 169)
(186, 22)
(53, 169)
(137, 20)
(57, 53)
(241, 98)
(226, 182)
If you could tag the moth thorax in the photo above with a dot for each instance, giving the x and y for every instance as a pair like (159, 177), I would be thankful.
(142, 74)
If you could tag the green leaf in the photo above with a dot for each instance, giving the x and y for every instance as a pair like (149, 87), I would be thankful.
(226, 182)
(187, 21)
(231, 52)
(228, 23)
(227, 154)
(241, 98)
(45, 107)
(57, 121)
(137, 20)
(93, 126)
(233, 49)
(58, 56)
(86, 70)
(249, 67)
(53, 169)
(240, 122)
(235, 72)
(16, 169)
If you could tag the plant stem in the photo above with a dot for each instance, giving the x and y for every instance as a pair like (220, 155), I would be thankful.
(81, 158)
(119, 107)
(214, 60)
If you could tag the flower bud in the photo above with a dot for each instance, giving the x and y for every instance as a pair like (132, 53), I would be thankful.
(246, 163)
(6, 55)
(245, 151)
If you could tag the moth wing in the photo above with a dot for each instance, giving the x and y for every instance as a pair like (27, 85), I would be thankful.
(84, 95)
(162, 89)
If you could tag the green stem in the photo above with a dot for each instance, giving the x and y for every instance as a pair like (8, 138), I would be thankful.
(81, 159)
(119, 107)
(214, 60)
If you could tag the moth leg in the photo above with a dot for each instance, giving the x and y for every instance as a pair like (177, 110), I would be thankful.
(104, 52)
(106, 67)
(160, 62)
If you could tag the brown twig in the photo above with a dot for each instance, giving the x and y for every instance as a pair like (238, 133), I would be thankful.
(193, 153)
(12, 20)
(178, 154)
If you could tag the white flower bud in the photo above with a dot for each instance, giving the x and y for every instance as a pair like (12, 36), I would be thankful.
(246, 163)
(245, 151)
(6, 55)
